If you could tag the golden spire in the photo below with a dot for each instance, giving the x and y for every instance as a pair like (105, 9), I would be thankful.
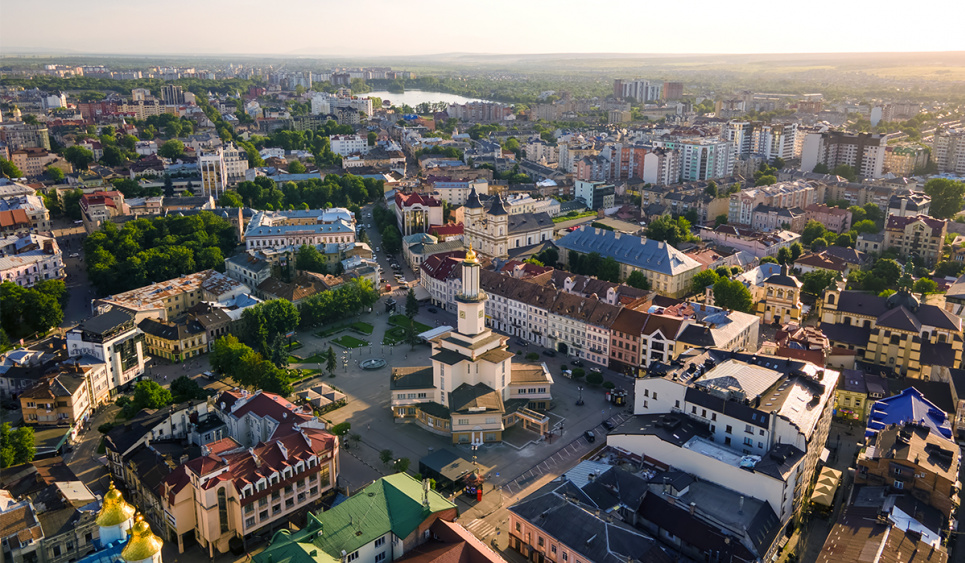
(143, 543)
(471, 255)
(115, 510)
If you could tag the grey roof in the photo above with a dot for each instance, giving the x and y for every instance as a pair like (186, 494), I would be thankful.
(411, 378)
(473, 201)
(249, 262)
(523, 222)
(475, 399)
(497, 207)
(106, 322)
(634, 251)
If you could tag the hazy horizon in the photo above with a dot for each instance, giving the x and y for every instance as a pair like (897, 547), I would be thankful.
(499, 27)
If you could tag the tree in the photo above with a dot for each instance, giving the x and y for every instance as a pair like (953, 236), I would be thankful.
(865, 226)
(813, 230)
(172, 149)
(888, 270)
(672, 231)
(296, 167)
(796, 251)
(858, 214)
(372, 138)
(817, 281)
(168, 186)
(845, 172)
(768, 260)
(594, 378)
(391, 239)
(147, 395)
(16, 447)
(731, 294)
(765, 180)
(821, 168)
(27, 311)
(946, 197)
(402, 465)
(186, 389)
(230, 199)
(411, 304)
(9, 169)
(703, 279)
(113, 156)
(872, 212)
(711, 189)
(925, 285)
(331, 362)
(783, 255)
(638, 280)
(79, 157)
(949, 268)
(844, 239)
(720, 220)
(385, 456)
(341, 429)
(722, 272)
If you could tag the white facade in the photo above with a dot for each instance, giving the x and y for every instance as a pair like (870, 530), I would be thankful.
(120, 371)
(214, 172)
(344, 145)
(30, 258)
(279, 229)
(236, 163)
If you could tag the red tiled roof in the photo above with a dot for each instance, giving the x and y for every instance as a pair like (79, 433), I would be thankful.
(898, 223)
(12, 217)
(272, 406)
(446, 230)
(440, 266)
(407, 200)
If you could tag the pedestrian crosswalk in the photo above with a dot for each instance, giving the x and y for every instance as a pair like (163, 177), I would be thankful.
(481, 528)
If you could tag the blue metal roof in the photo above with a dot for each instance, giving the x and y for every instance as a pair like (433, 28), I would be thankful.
(641, 253)
(908, 406)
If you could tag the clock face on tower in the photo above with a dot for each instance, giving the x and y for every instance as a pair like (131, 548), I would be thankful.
(462, 314)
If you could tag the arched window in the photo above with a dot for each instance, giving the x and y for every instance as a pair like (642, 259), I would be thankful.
(830, 299)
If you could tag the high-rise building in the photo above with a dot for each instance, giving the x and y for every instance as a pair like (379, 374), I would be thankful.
(702, 158)
(948, 151)
(214, 172)
(768, 140)
(864, 152)
(673, 90)
(641, 90)
(172, 94)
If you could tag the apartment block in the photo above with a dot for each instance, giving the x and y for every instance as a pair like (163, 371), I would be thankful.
(864, 152)
(920, 236)
(948, 151)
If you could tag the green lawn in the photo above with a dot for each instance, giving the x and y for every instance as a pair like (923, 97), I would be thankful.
(403, 321)
(331, 330)
(364, 328)
(394, 336)
(316, 358)
(347, 341)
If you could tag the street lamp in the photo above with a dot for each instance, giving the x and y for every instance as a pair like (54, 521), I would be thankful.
(580, 401)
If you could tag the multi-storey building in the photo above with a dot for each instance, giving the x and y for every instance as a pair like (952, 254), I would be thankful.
(256, 417)
(864, 152)
(795, 193)
(172, 94)
(895, 332)
(247, 269)
(910, 457)
(386, 521)
(768, 140)
(456, 192)
(113, 338)
(661, 166)
(232, 491)
(99, 207)
(214, 173)
(33, 161)
(345, 145)
(909, 204)
(472, 391)
(643, 90)
(596, 195)
(172, 298)
(494, 232)
(767, 218)
(279, 229)
(833, 218)
(920, 236)
(28, 258)
(415, 212)
(668, 270)
(751, 423)
(24, 136)
(236, 163)
(33, 206)
(174, 341)
(754, 242)
(948, 151)
(781, 302)
(58, 398)
(478, 111)
(701, 158)
(903, 160)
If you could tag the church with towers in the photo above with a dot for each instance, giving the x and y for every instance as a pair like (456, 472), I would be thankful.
(124, 535)
(496, 232)
(473, 391)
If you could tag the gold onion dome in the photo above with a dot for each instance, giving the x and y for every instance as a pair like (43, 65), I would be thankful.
(115, 510)
(143, 543)
(471, 254)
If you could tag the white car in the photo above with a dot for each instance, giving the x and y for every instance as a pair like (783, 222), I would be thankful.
(75, 255)
(377, 249)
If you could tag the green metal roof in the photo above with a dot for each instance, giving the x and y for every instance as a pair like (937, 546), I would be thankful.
(391, 504)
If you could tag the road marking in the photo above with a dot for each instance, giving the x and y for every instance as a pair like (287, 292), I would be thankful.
(481, 528)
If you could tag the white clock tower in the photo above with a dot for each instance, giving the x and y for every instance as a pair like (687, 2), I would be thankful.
(471, 303)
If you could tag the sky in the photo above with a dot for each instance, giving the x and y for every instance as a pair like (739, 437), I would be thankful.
(419, 27)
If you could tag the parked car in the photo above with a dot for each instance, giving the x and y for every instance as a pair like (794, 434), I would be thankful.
(608, 425)
(590, 436)
(377, 249)
(520, 342)
(549, 353)
(75, 255)
(596, 370)
(577, 363)
(433, 310)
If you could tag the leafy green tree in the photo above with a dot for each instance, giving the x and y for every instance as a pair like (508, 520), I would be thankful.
(308, 258)
(385, 456)
(925, 285)
(720, 220)
(845, 172)
(722, 272)
(815, 282)
(55, 174)
(783, 255)
(888, 270)
(765, 180)
(373, 137)
(768, 260)
(263, 322)
(113, 156)
(845, 240)
(821, 168)
(27, 311)
(638, 280)
(813, 230)
(9, 169)
(946, 197)
(865, 226)
(872, 212)
(949, 268)
(402, 465)
(711, 189)
(594, 378)
(79, 157)
(331, 362)
(704, 279)
(172, 149)
(672, 231)
(186, 389)
(609, 270)
(411, 304)
(296, 167)
(16, 446)
(796, 251)
(731, 294)
(341, 429)
(391, 239)
(230, 199)
(148, 395)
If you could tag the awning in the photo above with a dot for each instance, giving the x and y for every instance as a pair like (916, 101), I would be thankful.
(827, 484)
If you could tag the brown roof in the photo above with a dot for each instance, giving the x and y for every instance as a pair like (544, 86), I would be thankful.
(858, 537)
(668, 326)
(897, 223)
(12, 217)
(629, 321)
(451, 543)
(302, 287)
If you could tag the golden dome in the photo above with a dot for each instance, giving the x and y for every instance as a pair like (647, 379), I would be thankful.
(115, 509)
(471, 255)
(143, 543)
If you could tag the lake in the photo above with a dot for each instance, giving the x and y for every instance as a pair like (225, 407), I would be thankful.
(416, 97)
